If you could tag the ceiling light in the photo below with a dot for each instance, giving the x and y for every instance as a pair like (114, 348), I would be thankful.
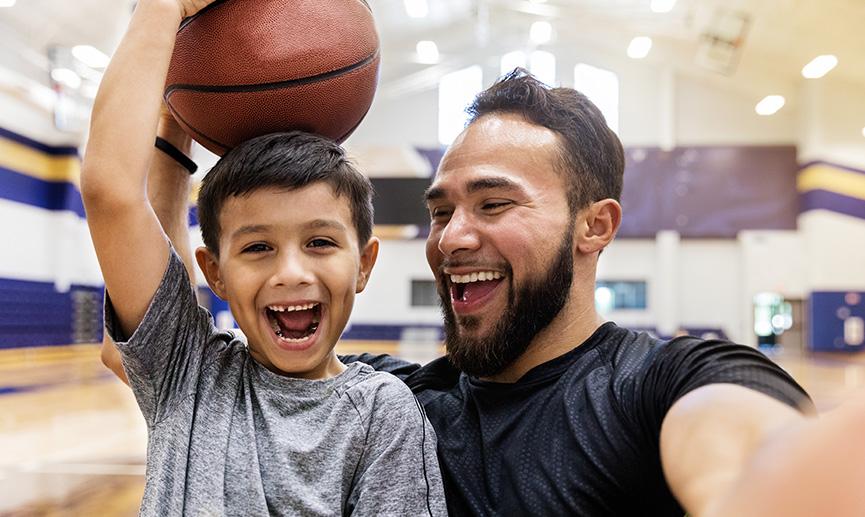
(90, 56)
(819, 66)
(769, 105)
(66, 77)
(662, 6)
(541, 32)
(538, 1)
(7, 3)
(863, 131)
(639, 47)
(427, 52)
(416, 8)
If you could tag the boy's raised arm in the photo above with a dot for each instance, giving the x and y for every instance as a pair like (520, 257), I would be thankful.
(168, 188)
(130, 244)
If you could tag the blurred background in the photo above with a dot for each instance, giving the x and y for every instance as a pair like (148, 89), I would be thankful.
(744, 129)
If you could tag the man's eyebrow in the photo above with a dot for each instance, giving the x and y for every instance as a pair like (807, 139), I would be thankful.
(492, 183)
(435, 193)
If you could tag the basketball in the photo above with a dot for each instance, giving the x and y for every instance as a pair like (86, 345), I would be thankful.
(244, 68)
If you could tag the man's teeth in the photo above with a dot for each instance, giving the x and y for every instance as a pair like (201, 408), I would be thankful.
(289, 308)
(476, 277)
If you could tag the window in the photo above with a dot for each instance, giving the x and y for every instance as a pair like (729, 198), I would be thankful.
(613, 295)
(456, 91)
(423, 293)
(541, 64)
(601, 87)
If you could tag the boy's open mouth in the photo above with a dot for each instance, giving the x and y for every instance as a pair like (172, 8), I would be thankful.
(294, 322)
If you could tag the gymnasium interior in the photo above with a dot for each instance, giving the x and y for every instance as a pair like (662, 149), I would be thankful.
(743, 123)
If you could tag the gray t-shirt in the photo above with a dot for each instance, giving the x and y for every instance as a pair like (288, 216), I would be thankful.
(226, 436)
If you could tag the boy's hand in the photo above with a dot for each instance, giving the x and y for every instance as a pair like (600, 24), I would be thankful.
(190, 7)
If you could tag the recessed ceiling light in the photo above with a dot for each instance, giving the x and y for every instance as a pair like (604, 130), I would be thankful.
(90, 56)
(769, 105)
(639, 47)
(819, 66)
(662, 6)
(66, 77)
(541, 32)
(416, 8)
(7, 3)
(427, 52)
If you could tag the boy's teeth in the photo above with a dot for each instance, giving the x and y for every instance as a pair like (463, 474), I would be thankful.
(476, 277)
(275, 326)
(289, 308)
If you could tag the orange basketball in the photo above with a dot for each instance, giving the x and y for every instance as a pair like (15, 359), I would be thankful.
(244, 68)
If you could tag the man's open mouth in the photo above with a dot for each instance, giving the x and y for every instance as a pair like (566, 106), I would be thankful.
(466, 288)
(294, 322)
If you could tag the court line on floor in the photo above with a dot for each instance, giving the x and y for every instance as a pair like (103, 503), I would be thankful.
(85, 469)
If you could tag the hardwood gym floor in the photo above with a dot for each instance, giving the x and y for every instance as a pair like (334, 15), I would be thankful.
(72, 441)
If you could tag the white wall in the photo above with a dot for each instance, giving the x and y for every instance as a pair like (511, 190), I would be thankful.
(387, 298)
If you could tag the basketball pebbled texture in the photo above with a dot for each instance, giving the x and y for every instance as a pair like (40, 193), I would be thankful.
(244, 68)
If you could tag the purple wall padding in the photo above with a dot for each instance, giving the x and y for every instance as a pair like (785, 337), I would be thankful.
(704, 192)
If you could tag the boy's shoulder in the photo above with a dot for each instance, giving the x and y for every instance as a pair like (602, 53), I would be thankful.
(371, 390)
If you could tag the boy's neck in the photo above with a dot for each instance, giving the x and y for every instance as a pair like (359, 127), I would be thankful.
(329, 367)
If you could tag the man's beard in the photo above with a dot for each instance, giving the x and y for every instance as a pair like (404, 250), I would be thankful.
(528, 312)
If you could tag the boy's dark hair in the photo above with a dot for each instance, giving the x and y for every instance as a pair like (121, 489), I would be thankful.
(283, 161)
(591, 155)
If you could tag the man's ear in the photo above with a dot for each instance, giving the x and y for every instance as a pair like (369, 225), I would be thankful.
(209, 265)
(368, 256)
(599, 223)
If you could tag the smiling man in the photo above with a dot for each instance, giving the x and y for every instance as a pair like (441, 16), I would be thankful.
(541, 407)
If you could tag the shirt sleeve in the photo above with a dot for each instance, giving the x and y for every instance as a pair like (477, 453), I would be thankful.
(399, 471)
(383, 363)
(685, 364)
(162, 357)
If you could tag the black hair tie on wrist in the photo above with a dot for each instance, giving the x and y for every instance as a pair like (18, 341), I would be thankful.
(166, 147)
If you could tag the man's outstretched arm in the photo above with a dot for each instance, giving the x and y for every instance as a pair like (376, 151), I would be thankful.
(729, 450)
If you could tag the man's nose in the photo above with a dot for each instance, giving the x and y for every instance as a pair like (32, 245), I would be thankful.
(460, 234)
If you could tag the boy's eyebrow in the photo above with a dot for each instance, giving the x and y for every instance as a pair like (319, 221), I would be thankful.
(250, 228)
(434, 193)
(312, 225)
(326, 223)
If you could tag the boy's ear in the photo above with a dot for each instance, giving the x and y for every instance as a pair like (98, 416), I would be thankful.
(368, 255)
(599, 224)
(210, 267)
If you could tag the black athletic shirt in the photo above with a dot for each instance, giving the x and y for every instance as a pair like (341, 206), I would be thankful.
(578, 435)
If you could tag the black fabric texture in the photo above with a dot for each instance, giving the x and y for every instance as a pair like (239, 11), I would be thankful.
(578, 435)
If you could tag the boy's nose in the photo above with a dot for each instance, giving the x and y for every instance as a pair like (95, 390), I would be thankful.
(291, 271)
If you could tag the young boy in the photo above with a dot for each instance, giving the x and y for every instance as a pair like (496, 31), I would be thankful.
(280, 426)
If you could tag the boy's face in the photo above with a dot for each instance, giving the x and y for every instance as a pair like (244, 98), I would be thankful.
(289, 266)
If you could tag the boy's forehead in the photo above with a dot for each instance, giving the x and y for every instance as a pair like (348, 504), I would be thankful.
(311, 206)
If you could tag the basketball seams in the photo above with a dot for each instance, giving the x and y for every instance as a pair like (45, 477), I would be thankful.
(275, 85)
(356, 67)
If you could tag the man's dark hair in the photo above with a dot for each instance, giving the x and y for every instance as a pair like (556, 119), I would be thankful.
(283, 161)
(591, 154)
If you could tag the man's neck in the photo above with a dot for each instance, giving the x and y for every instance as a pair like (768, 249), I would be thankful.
(574, 325)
